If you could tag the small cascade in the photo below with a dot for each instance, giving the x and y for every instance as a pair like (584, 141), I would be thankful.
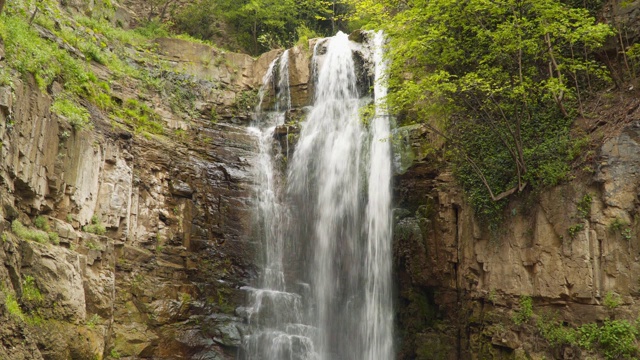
(275, 316)
(378, 314)
(325, 290)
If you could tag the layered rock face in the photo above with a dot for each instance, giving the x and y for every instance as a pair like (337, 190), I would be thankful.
(572, 250)
(152, 235)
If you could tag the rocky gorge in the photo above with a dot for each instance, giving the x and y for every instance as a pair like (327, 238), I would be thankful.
(154, 235)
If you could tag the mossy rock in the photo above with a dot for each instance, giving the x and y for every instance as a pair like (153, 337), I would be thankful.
(435, 347)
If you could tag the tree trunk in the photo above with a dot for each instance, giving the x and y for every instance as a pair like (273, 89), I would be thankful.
(1, 5)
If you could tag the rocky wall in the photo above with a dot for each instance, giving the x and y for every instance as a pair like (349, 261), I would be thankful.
(571, 249)
(152, 234)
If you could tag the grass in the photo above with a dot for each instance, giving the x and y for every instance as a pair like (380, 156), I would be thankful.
(29, 234)
(12, 306)
(29, 53)
(75, 114)
(95, 227)
(30, 291)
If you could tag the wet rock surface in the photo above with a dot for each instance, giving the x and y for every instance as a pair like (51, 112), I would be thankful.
(152, 235)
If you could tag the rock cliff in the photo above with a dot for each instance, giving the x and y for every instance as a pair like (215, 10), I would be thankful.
(117, 244)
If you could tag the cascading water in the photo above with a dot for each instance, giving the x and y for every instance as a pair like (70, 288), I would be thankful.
(331, 299)
(378, 308)
(275, 315)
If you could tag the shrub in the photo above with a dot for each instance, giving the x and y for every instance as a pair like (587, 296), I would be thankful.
(525, 312)
(616, 339)
(12, 306)
(611, 300)
(54, 237)
(41, 223)
(555, 333)
(95, 227)
(30, 291)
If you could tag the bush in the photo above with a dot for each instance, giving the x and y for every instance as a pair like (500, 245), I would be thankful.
(525, 312)
(616, 339)
(12, 306)
(611, 300)
(30, 291)
(41, 223)
(95, 227)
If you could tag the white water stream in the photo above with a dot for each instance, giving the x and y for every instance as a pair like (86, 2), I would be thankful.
(325, 288)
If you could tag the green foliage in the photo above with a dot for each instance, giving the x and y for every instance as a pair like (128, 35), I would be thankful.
(54, 237)
(259, 25)
(246, 100)
(94, 320)
(555, 333)
(140, 117)
(114, 354)
(500, 80)
(41, 223)
(620, 226)
(12, 306)
(575, 229)
(616, 339)
(28, 234)
(30, 291)
(4, 236)
(611, 300)
(525, 312)
(305, 34)
(584, 206)
(77, 115)
(95, 227)
(28, 53)
(617, 225)
(153, 29)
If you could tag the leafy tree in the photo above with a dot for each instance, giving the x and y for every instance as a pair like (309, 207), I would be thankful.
(504, 76)
(262, 24)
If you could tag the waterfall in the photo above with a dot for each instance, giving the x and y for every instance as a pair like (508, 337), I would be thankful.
(378, 308)
(325, 287)
(274, 315)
